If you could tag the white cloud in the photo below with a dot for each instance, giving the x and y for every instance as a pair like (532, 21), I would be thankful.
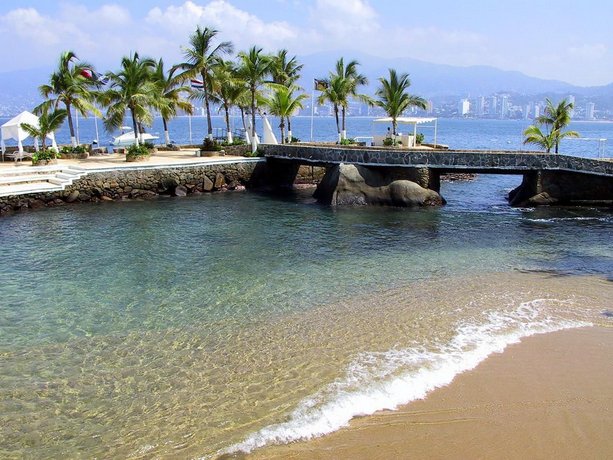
(241, 27)
(590, 52)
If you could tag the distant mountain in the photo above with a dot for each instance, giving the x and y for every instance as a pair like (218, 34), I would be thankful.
(19, 89)
(433, 80)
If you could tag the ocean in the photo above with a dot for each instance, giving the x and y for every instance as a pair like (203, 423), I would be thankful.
(192, 327)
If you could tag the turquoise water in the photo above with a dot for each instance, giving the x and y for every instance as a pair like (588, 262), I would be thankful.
(189, 327)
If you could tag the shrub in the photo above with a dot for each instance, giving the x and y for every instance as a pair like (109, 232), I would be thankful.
(210, 145)
(135, 151)
(150, 146)
(71, 149)
(419, 138)
(257, 153)
(45, 155)
(348, 141)
(388, 141)
(294, 140)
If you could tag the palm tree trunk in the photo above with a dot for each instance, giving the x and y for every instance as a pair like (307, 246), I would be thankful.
(252, 113)
(228, 132)
(73, 138)
(134, 125)
(338, 126)
(166, 133)
(209, 124)
(394, 126)
(344, 131)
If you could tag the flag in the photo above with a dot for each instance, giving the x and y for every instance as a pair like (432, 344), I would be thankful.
(95, 76)
(320, 85)
(196, 84)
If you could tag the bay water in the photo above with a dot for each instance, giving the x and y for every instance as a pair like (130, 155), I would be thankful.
(191, 327)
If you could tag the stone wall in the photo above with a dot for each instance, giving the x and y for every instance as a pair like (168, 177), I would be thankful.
(444, 160)
(145, 184)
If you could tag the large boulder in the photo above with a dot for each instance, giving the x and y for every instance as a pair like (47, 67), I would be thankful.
(348, 184)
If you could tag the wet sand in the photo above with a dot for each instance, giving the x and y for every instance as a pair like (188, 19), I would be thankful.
(551, 396)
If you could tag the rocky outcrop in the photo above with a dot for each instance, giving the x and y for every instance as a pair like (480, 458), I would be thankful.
(562, 188)
(347, 184)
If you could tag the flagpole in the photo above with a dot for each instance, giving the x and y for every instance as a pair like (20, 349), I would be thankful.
(76, 114)
(189, 119)
(312, 107)
(96, 125)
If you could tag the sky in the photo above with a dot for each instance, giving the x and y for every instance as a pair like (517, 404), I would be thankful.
(554, 39)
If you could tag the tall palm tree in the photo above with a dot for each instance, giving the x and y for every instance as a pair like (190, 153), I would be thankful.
(350, 80)
(535, 136)
(253, 66)
(285, 72)
(557, 117)
(48, 122)
(333, 89)
(227, 90)
(394, 97)
(200, 60)
(132, 88)
(283, 103)
(168, 98)
(69, 85)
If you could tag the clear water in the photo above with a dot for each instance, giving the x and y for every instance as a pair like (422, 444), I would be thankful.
(193, 326)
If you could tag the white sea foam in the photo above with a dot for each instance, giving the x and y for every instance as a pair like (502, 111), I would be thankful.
(386, 380)
(563, 219)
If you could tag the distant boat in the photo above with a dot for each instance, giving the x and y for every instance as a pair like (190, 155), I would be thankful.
(127, 137)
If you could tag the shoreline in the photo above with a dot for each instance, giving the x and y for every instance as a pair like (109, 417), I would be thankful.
(540, 398)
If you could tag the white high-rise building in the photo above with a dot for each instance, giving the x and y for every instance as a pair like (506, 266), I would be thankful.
(504, 106)
(464, 107)
(537, 110)
(479, 106)
(589, 111)
(493, 105)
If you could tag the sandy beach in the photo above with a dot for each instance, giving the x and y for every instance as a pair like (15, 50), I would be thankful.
(550, 396)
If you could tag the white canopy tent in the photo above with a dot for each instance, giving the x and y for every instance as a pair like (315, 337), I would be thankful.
(12, 130)
(411, 121)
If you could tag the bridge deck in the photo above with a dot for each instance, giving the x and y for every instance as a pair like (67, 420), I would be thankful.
(479, 161)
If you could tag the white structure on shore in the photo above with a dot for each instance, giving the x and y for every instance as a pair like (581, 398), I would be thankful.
(589, 111)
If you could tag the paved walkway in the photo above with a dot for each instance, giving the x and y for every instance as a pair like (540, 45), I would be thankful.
(118, 161)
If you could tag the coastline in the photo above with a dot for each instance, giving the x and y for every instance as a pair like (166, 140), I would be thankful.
(540, 398)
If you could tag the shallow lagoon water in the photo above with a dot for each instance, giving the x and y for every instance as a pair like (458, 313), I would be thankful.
(200, 325)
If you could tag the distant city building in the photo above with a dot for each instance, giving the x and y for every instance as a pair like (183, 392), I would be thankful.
(429, 107)
(479, 106)
(493, 105)
(537, 111)
(504, 106)
(589, 111)
(527, 111)
(464, 107)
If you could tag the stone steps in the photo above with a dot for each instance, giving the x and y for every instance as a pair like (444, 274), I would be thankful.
(37, 179)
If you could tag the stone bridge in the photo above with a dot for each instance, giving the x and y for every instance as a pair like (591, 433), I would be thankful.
(547, 178)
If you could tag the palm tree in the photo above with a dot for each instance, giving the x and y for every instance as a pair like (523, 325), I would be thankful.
(168, 99)
(284, 104)
(48, 122)
(201, 58)
(227, 90)
(285, 72)
(132, 88)
(557, 117)
(350, 80)
(394, 98)
(69, 85)
(332, 93)
(254, 67)
(535, 136)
